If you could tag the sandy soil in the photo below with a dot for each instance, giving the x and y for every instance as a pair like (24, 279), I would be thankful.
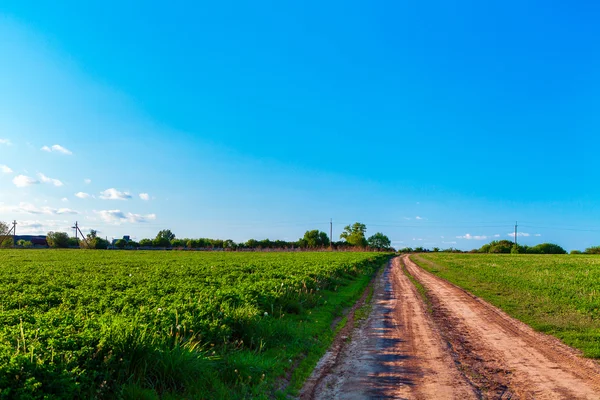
(396, 353)
(503, 356)
(454, 347)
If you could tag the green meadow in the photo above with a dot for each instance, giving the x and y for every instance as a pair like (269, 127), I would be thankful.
(555, 294)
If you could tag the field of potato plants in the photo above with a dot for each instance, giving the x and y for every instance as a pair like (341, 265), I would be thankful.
(555, 294)
(150, 325)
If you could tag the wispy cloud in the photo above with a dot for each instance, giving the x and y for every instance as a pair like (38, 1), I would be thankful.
(519, 234)
(468, 236)
(83, 195)
(24, 181)
(417, 217)
(538, 234)
(5, 169)
(28, 208)
(118, 217)
(46, 179)
(5, 142)
(114, 194)
(64, 200)
(58, 149)
(453, 242)
(144, 196)
(87, 181)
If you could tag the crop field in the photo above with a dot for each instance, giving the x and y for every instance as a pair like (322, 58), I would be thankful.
(555, 294)
(149, 325)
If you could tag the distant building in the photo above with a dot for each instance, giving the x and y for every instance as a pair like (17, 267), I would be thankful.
(36, 240)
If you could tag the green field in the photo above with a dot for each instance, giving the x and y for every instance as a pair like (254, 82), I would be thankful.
(555, 294)
(102, 324)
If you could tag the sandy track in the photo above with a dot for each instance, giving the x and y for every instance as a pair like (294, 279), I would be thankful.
(503, 357)
(397, 353)
(455, 347)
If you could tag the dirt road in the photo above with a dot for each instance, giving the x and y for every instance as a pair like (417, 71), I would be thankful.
(454, 346)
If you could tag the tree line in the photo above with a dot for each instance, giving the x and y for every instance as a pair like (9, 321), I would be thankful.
(353, 236)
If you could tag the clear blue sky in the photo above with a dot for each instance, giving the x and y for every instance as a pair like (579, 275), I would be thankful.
(438, 124)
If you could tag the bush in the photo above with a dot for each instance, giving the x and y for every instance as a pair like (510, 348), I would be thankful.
(58, 240)
(593, 250)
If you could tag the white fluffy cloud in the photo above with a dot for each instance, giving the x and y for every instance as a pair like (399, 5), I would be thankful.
(5, 169)
(114, 194)
(64, 200)
(5, 142)
(24, 181)
(468, 236)
(144, 196)
(57, 148)
(46, 179)
(82, 195)
(118, 217)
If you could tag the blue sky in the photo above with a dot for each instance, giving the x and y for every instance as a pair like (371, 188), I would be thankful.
(437, 124)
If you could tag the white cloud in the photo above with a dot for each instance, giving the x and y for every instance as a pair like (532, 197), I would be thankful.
(82, 195)
(57, 148)
(5, 142)
(87, 181)
(468, 236)
(137, 218)
(538, 234)
(453, 242)
(114, 194)
(497, 235)
(417, 239)
(519, 234)
(144, 196)
(28, 208)
(5, 169)
(36, 227)
(64, 200)
(46, 179)
(24, 181)
(417, 217)
(118, 217)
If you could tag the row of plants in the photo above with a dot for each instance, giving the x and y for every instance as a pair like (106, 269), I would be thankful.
(142, 324)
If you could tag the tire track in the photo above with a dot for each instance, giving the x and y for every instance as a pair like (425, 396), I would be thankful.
(504, 357)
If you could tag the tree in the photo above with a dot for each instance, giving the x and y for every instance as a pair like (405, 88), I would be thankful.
(355, 234)
(93, 241)
(4, 235)
(313, 239)
(121, 243)
(379, 241)
(73, 242)
(167, 234)
(593, 250)
(57, 240)
(163, 238)
(146, 243)
(546, 248)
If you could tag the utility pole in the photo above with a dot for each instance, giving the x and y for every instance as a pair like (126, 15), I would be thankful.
(76, 229)
(331, 233)
(516, 233)
(14, 229)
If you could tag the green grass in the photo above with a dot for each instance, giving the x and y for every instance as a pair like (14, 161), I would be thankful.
(555, 294)
(166, 325)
